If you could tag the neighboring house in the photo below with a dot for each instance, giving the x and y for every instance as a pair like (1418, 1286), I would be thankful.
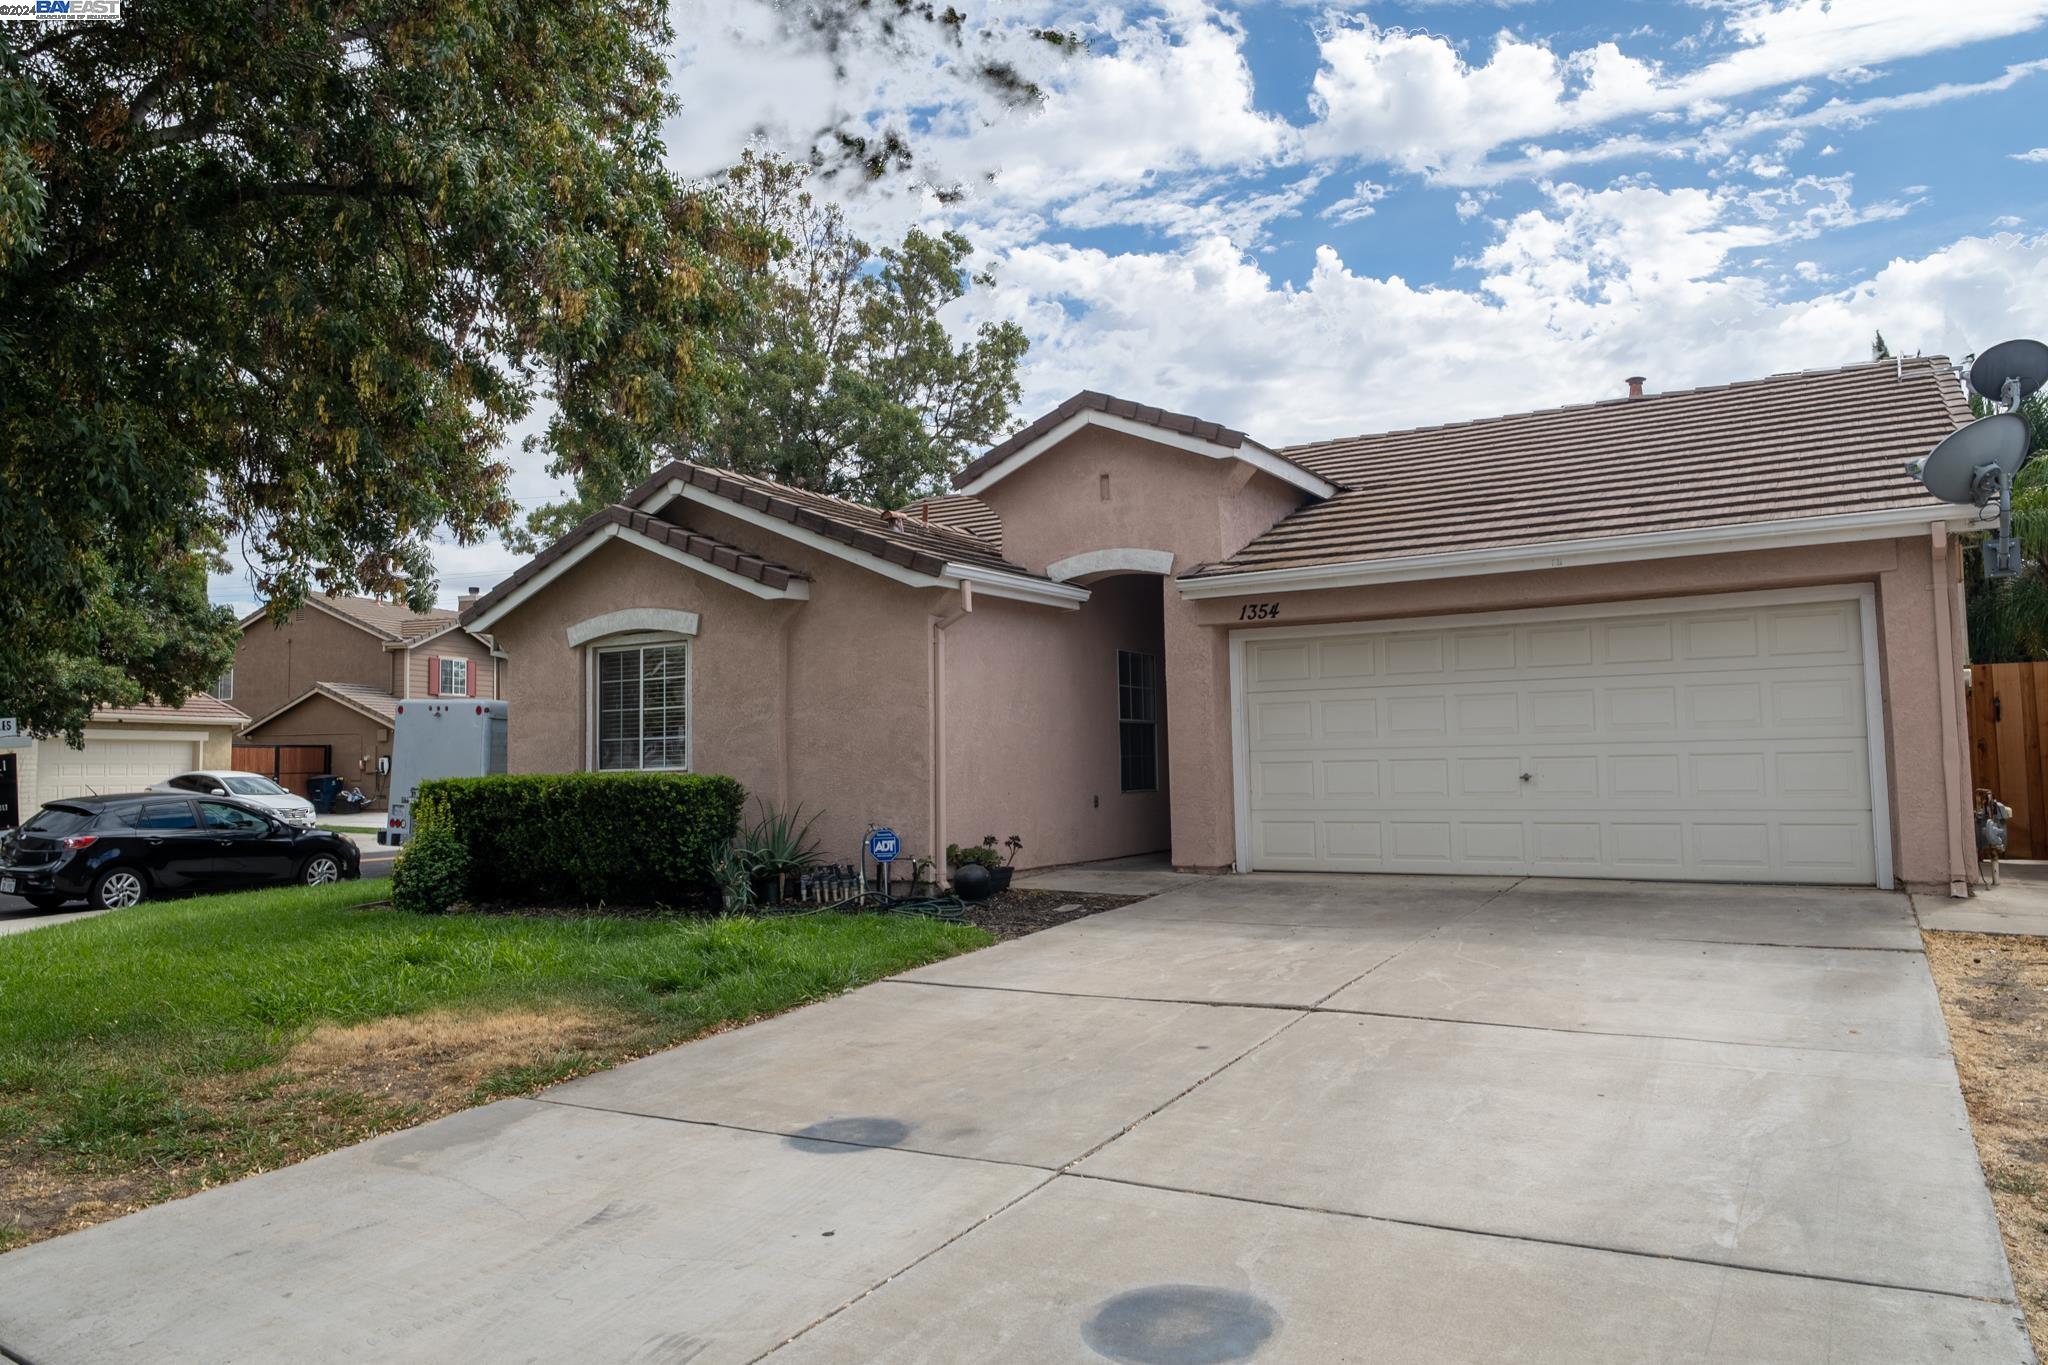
(1710, 635)
(325, 686)
(127, 748)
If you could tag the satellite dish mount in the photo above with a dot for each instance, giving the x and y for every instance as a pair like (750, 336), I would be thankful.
(1977, 463)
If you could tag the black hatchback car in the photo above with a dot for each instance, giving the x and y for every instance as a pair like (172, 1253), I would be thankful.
(112, 851)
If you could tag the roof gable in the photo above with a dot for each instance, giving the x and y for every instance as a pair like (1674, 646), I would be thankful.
(1174, 429)
(385, 620)
(371, 703)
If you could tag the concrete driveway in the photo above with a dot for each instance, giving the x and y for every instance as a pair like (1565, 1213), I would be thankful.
(1300, 1119)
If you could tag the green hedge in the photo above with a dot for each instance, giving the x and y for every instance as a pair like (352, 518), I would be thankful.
(432, 874)
(581, 838)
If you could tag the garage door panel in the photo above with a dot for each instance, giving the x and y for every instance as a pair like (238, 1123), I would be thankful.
(108, 766)
(1705, 744)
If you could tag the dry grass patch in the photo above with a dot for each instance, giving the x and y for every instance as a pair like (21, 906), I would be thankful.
(1994, 992)
(439, 1060)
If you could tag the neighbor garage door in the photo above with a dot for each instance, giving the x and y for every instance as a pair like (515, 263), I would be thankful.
(1687, 741)
(107, 766)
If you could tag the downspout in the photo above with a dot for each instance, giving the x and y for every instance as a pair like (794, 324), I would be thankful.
(785, 720)
(1953, 779)
(940, 622)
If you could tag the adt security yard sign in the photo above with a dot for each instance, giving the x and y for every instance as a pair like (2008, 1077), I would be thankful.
(883, 845)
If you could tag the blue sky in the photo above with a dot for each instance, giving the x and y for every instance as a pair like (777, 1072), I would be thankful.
(1311, 220)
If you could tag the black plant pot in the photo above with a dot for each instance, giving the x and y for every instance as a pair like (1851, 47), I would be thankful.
(972, 882)
(999, 879)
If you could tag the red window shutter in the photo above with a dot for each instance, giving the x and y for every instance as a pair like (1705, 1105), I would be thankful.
(433, 676)
(470, 673)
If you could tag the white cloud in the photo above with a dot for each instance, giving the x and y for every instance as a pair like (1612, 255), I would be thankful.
(1718, 138)
(1416, 101)
(1356, 205)
(1570, 298)
(2007, 220)
(2038, 154)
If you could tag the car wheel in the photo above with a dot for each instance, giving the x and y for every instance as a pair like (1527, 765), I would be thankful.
(117, 887)
(43, 900)
(320, 869)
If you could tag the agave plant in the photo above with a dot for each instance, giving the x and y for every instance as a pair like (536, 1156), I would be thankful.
(779, 845)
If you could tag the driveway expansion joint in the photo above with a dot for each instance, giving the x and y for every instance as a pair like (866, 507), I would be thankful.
(1320, 1008)
(1567, 1243)
(794, 1137)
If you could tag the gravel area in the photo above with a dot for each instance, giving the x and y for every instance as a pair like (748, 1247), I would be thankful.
(1994, 990)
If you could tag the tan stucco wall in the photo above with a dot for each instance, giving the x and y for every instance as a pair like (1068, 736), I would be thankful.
(1159, 498)
(1198, 690)
(358, 741)
(458, 644)
(825, 702)
(274, 664)
(1031, 726)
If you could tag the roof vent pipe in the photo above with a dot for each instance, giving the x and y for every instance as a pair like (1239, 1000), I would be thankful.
(1635, 386)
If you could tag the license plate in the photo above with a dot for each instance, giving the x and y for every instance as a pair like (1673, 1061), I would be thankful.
(6, 886)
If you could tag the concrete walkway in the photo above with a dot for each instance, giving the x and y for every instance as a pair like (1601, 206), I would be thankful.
(2017, 905)
(1272, 1119)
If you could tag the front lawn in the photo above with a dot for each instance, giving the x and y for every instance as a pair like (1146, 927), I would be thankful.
(155, 1051)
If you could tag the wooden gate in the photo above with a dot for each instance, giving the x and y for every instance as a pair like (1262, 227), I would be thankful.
(288, 765)
(2008, 708)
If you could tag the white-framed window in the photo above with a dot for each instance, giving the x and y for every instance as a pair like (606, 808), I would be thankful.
(224, 686)
(642, 704)
(1137, 714)
(454, 677)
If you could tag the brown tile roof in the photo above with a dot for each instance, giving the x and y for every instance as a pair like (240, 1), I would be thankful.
(962, 513)
(201, 708)
(923, 547)
(1809, 444)
(372, 701)
(394, 619)
(1089, 400)
(366, 698)
(697, 546)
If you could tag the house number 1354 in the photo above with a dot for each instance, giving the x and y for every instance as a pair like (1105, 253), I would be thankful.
(1259, 611)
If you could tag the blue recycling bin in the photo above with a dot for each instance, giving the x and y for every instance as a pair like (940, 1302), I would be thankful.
(322, 791)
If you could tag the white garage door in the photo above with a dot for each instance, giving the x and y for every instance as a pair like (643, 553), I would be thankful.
(1695, 743)
(107, 766)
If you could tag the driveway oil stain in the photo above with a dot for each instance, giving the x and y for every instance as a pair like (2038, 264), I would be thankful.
(1180, 1324)
(833, 1136)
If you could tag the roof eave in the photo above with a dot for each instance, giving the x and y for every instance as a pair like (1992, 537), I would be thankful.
(1250, 452)
(1724, 539)
(494, 606)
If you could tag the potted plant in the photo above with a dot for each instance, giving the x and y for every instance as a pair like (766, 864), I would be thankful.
(999, 866)
(974, 870)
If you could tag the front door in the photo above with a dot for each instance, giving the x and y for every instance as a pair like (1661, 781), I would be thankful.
(10, 796)
(246, 846)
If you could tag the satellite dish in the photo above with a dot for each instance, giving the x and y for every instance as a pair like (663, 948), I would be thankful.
(1951, 469)
(2025, 361)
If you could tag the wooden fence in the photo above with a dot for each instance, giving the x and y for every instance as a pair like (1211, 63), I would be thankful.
(2008, 710)
(288, 765)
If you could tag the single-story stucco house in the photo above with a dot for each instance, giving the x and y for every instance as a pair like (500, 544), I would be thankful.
(1704, 635)
(125, 749)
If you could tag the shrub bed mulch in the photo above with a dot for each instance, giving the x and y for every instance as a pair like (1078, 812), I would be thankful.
(1012, 914)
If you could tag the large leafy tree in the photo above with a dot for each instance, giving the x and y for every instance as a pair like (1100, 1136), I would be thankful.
(277, 276)
(2008, 618)
(839, 373)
